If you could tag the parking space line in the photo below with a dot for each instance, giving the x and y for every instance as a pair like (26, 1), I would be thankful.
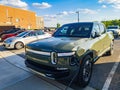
(111, 74)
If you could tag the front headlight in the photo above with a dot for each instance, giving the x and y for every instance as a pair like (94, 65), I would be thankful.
(8, 40)
(66, 54)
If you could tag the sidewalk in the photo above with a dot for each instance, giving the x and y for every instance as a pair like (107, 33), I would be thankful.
(15, 76)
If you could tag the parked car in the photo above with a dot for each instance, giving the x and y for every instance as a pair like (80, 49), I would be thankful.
(115, 29)
(71, 50)
(5, 36)
(24, 38)
(9, 31)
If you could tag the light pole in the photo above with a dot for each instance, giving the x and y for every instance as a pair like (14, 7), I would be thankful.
(78, 15)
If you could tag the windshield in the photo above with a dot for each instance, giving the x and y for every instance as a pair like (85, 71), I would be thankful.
(112, 27)
(22, 34)
(74, 30)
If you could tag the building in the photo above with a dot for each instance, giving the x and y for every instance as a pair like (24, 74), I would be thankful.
(18, 17)
(39, 22)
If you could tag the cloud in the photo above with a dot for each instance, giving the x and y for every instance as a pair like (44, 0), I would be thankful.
(82, 11)
(87, 11)
(104, 6)
(49, 17)
(42, 5)
(114, 3)
(117, 6)
(15, 3)
(65, 13)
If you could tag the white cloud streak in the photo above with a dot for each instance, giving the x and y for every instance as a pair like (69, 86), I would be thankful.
(114, 3)
(15, 3)
(42, 5)
(104, 6)
(87, 11)
(65, 13)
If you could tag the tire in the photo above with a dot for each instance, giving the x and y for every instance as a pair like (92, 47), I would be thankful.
(110, 52)
(19, 45)
(85, 72)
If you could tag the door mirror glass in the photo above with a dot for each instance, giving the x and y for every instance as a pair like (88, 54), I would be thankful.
(95, 34)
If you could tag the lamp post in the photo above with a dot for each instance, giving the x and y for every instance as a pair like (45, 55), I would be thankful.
(78, 15)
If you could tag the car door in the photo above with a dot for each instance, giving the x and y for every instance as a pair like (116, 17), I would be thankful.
(30, 37)
(105, 37)
(40, 34)
(97, 45)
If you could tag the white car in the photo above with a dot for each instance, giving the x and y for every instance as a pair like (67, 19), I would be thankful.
(24, 38)
(114, 28)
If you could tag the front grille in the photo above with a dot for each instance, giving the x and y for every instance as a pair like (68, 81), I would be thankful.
(45, 67)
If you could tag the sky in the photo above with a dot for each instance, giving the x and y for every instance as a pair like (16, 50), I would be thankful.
(64, 11)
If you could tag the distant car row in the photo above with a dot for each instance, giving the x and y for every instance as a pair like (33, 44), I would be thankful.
(17, 39)
(9, 31)
(115, 29)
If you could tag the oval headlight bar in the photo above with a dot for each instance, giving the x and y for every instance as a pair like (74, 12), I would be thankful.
(66, 54)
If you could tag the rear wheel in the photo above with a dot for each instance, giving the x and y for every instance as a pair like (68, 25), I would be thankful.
(19, 45)
(85, 71)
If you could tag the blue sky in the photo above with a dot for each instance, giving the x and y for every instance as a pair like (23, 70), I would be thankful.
(64, 11)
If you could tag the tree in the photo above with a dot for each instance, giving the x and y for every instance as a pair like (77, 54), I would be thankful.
(111, 22)
(58, 25)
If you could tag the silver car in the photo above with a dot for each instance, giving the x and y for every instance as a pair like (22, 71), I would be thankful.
(24, 38)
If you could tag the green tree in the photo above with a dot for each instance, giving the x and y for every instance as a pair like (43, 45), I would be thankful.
(112, 22)
(58, 25)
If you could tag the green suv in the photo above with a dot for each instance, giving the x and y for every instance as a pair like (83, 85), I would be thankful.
(71, 51)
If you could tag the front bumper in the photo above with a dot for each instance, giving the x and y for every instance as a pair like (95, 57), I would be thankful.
(47, 71)
(8, 45)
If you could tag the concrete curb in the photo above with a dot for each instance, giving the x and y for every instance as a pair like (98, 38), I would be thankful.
(18, 61)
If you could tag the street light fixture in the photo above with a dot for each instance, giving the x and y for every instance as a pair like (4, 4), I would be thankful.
(78, 15)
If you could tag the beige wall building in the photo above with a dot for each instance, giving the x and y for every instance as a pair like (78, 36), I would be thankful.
(39, 22)
(19, 18)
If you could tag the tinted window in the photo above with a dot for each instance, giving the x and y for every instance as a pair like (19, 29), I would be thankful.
(102, 28)
(96, 29)
(39, 32)
(31, 34)
(22, 34)
(74, 30)
(112, 27)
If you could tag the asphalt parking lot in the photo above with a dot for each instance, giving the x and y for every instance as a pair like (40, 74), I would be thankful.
(106, 74)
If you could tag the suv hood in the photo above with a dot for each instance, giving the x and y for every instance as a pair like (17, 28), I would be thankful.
(58, 44)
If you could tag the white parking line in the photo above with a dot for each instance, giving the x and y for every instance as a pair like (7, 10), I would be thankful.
(111, 74)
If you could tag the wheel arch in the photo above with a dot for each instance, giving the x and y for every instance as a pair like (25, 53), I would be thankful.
(90, 53)
(18, 42)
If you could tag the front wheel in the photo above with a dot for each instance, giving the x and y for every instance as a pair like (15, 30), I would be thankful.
(85, 71)
(19, 45)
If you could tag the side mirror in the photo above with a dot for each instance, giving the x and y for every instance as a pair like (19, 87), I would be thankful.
(24, 36)
(95, 34)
